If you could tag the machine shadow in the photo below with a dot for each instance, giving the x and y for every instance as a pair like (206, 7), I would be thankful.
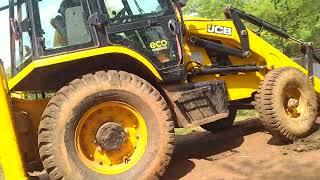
(208, 146)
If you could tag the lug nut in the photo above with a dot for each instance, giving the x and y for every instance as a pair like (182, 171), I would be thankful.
(126, 160)
(244, 32)
(247, 54)
(99, 149)
(293, 103)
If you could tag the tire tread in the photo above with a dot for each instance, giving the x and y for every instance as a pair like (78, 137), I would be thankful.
(49, 117)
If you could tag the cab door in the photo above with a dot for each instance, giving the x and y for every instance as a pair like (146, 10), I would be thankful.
(150, 27)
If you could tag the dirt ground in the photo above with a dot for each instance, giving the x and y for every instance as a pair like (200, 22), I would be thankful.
(243, 152)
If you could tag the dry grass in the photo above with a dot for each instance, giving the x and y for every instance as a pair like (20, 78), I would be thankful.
(185, 131)
(246, 114)
(1, 172)
(241, 115)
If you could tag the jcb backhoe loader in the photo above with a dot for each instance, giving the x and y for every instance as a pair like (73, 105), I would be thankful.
(113, 79)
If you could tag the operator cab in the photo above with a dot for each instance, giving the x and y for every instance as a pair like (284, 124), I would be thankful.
(45, 28)
(143, 26)
(40, 29)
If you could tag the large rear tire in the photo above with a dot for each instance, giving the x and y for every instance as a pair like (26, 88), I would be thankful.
(287, 103)
(110, 125)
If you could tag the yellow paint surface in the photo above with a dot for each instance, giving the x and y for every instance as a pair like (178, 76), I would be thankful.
(78, 56)
(11, 159)
(263, 54)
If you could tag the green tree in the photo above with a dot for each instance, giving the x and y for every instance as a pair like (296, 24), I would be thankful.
(210, 8)
(299, 17)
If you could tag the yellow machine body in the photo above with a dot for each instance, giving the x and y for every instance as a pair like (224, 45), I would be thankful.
(11, 156)
(78, 56)
(239, 85)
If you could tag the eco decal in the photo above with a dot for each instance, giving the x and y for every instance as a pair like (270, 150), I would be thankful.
(159, 45)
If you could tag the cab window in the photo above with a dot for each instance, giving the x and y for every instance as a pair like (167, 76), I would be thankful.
(63, 23)
(132, 10)
(142, 25)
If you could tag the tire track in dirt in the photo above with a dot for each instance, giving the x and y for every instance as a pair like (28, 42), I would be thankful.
(244, 152)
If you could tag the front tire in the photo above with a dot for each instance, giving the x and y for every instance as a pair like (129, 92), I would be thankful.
(287, 104)
(110, 125)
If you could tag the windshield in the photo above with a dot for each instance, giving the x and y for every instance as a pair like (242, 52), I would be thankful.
(133, 10)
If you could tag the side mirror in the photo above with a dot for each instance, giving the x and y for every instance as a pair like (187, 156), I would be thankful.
(182, 3)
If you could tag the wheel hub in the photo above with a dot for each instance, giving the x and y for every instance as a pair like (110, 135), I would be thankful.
(293, 103)
(111, 136)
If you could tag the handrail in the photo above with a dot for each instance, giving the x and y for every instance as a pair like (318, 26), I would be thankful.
(229, 11)
(14, 4)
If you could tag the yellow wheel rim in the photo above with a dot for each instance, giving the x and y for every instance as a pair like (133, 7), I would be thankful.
(121, 159)
(294, 102)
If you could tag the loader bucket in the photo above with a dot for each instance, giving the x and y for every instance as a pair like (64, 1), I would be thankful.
(11, 159)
